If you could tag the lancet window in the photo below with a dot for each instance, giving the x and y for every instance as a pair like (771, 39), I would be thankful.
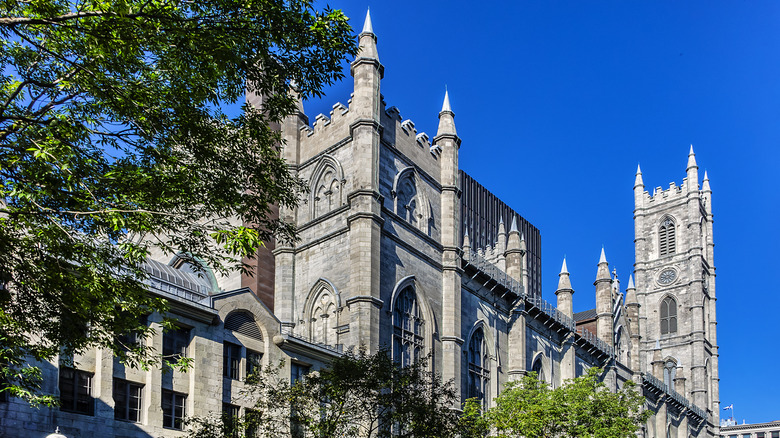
(666, 238)
(408, 328)
(668, 316)
(670, 372)
(322, 319)
(538, 368)
(406, 200)
(326, 186)
(479, 371)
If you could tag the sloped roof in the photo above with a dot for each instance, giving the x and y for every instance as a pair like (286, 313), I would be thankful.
(585, 315)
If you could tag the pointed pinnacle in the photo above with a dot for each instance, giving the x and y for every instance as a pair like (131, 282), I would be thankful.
(603, 258)
(691, 159)
(514, 224)
(446, 105)
(564, 269)
(367, 27)
(631, 282)
(638, 181)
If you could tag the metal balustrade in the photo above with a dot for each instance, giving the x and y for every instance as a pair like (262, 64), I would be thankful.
(501, 277)
(674, 395)
(286, 330)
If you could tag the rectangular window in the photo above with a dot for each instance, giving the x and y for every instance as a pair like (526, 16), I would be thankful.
(775, 434)
(132, 339)
(231, 355)
(230, 419)
(127, 400)
(173, 406)
(760, 435)
(298, 371)
(252, 422)
(175, 343)
(76, 391)
(253, 361)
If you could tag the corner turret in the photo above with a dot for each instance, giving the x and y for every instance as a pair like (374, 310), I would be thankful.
(692, 170)
(565, 292)
(514, 253)
(367, 71)
(603, 283)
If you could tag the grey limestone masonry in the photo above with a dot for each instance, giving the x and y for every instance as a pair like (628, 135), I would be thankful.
(380, 265)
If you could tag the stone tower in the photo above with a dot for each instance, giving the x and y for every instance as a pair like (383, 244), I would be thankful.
(675, 288)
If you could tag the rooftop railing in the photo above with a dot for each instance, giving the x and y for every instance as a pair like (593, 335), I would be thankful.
(674, 395)
(287, 330)
(501, 277)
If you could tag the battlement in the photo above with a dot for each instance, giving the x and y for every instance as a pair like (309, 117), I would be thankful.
(674, 192)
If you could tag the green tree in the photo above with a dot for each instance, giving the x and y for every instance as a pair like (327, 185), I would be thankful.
(113, 142)
(582, 407)
(359, 396)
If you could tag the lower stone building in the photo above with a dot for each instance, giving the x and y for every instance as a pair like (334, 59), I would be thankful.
(402, 250)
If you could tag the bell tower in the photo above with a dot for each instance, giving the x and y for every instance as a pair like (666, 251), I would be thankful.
(675, 287)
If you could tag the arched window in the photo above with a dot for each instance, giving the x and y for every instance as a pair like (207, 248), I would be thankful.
(479, 372)
(666, 239)
(408, 328)
(670, 372)
(406, 200)
(326, 186)
(323, 315)
(538, 369)
(668, 316)
(244, 323)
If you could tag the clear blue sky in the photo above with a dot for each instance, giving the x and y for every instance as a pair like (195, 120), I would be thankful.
(557, 101)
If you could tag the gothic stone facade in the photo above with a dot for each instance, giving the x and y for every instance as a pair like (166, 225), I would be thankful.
(401, 250)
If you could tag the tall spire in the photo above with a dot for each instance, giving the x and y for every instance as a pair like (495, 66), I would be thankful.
(367, 27)
(446, 105)
(367, 41)
(638, 181)
(705, 185)
(514, 224)
(603, 269)
(564, 292)
(692, 180)
(691, 159)
(446, 118)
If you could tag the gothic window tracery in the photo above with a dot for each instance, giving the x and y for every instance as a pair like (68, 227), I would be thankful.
(670, 372)
(668, 316)
(323, 317)
(326, 187)
(410, 202)
(666, 238)
(408, 328)
(479, 371)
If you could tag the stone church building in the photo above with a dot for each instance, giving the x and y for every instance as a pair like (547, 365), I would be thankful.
(401, 250)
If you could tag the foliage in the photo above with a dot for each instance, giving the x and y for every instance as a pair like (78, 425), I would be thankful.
(582, 407)
(113, 144)
(359, 395)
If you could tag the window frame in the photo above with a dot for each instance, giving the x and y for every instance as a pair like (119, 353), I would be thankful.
(667, 237)
(126, 407)
(478, 367)
(175, 401)
(176, 343)
(668, 315)
(408, 327)
(70, 401)
(231, 364)
(254, 362)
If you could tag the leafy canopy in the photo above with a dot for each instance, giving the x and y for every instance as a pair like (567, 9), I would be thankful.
(359, 396)
(582, 407)
(113, 144)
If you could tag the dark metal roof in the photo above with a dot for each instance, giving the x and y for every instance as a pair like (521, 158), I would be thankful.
(585, 315)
